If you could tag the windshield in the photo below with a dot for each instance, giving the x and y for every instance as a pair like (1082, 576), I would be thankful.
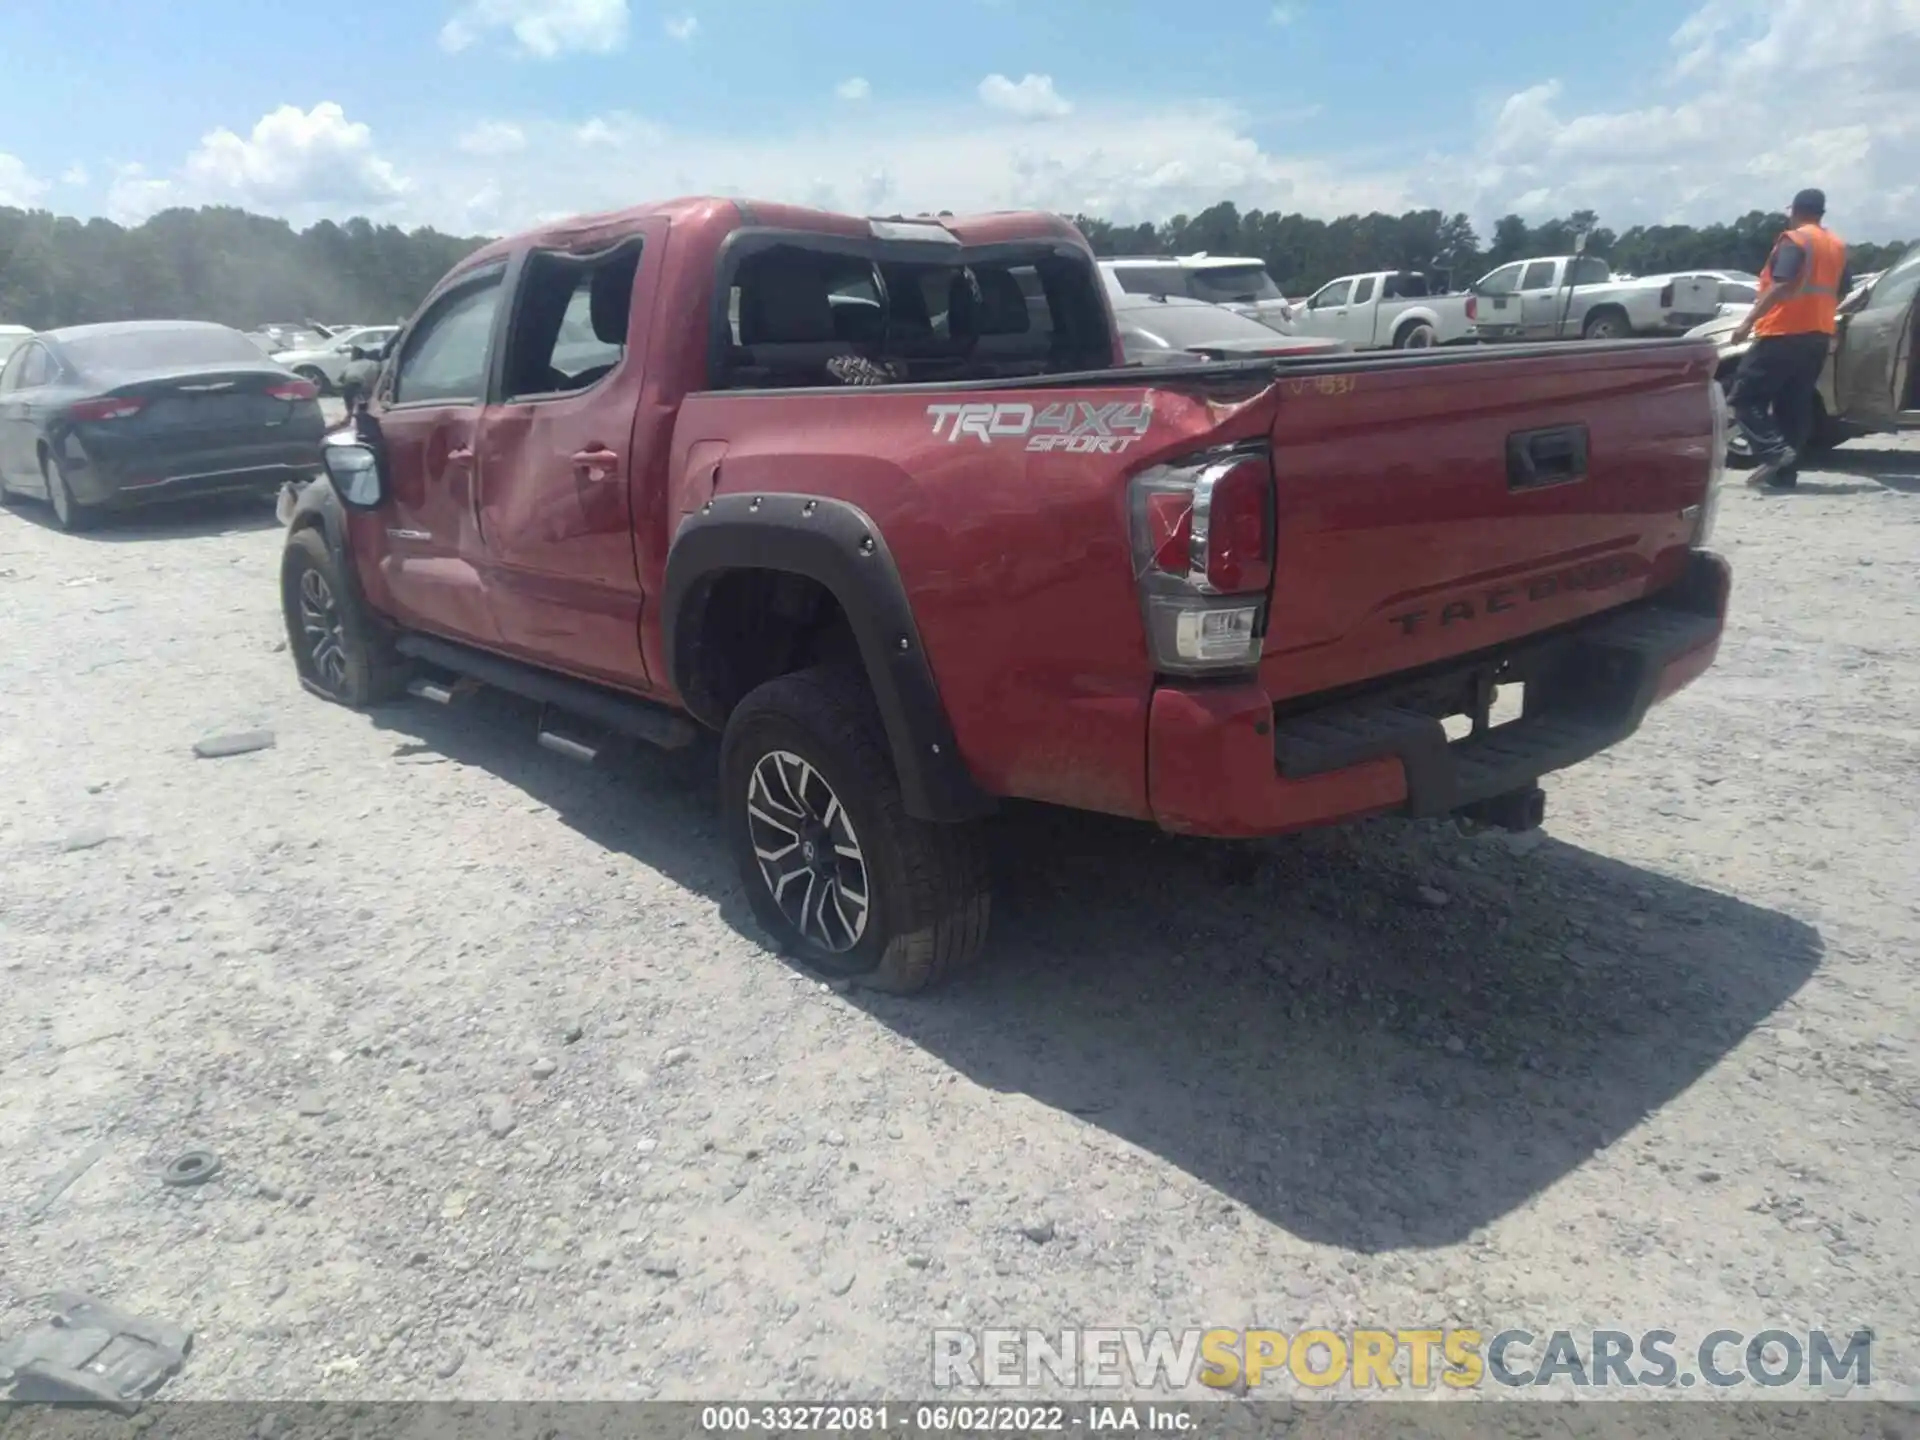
(1181, 327)
(161, 349)
(1222, 284)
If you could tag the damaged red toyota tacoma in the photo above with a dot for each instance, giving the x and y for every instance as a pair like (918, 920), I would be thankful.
(878, 502)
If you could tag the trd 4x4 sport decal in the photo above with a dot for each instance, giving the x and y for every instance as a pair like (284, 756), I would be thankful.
(1077, 426)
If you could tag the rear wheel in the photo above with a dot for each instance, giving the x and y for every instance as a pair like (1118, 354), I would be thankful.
(340, 655)
(835, 869)
(1420, 336)
(1605, 325)
(68, 513)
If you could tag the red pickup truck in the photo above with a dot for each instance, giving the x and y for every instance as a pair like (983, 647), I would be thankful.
(876, 501)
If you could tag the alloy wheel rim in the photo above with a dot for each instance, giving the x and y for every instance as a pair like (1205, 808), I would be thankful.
(808, 852)
(320, 627)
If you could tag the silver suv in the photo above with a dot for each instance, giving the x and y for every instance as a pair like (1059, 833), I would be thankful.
(1238, 283)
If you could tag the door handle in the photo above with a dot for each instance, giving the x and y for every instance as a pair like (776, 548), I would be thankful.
(596, 464)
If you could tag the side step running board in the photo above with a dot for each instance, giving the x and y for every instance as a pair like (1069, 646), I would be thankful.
(609, 709)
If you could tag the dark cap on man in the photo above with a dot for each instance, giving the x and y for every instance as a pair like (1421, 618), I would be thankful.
(1810, 202)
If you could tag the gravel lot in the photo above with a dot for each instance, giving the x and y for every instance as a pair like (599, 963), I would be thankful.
(513, 1103)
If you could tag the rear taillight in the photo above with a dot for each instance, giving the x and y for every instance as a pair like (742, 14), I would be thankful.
(294, 390)
(1203, 541)
(1473, 307)
(110, 408)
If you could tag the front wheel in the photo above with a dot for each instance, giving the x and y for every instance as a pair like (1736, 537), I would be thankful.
(835, 869)
(339, 655)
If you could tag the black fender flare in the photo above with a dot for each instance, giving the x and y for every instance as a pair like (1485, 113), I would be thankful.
(838, 546)
(319, 507)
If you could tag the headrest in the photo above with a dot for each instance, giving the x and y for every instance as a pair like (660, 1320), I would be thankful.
(785, 306)
(610, 302)
(963, 306)
(1003, 305)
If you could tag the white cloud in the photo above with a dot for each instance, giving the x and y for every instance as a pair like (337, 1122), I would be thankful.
(1700, 146)
(19, 186)
(493, 137)
(1031, 97)
(134, 195)
(1757, 101)
(294, 162)
(1283, 15)
(543, 28)
(853, 89)
(75, 174)
(314, 157)
(682, 28)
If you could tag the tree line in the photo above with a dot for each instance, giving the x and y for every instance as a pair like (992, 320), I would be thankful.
(245, 270)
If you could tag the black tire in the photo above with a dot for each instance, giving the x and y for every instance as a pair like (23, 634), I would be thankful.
(1606, 325)
(1418, 336)
(816, 733)
(340, 654)
(68, 513)
(317, 376)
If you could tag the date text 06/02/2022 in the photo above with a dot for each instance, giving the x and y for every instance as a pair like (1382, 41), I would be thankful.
(948, 1419)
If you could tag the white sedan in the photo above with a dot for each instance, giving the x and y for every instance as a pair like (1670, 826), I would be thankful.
(326, 364)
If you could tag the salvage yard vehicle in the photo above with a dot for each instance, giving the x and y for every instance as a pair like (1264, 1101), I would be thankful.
(1869, 385)
(1239, 283)
(1385, 310)
(95, 418)
(909, 571)
(325, 364)
(1566, 297)
(1167, 330)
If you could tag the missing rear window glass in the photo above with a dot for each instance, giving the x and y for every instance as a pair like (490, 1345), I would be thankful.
(570, 326)
(800, 317)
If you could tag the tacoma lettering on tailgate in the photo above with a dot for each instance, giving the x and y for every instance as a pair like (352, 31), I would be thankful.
(1597, 575)
(1077, 426)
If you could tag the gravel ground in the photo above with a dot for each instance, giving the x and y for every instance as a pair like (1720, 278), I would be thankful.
(512, 1102)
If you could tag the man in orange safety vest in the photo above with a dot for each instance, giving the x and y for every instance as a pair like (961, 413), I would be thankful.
(1792, 325)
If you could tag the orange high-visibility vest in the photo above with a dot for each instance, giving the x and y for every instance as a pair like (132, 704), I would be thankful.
(1811, 308)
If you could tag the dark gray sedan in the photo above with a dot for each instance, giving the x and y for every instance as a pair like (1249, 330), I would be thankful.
(96, 418)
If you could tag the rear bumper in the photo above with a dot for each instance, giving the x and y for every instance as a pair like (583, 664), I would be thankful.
(1223, 761)
(115, 483)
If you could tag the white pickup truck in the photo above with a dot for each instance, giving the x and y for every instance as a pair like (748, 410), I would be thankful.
(1385, 310)
(1567, 297)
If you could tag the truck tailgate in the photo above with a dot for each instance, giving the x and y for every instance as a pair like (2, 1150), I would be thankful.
(1431, 509)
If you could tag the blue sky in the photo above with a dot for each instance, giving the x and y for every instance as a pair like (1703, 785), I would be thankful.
(483, 114)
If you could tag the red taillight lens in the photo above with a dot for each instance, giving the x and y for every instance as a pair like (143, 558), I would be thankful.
(1473, 307)
(1239, 529)
(294, 390)
(111, 408)
(1170, 530)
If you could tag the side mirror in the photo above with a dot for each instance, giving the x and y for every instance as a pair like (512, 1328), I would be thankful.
(354, 471)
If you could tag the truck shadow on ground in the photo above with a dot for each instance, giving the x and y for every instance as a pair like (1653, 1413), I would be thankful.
(1380, 1037)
